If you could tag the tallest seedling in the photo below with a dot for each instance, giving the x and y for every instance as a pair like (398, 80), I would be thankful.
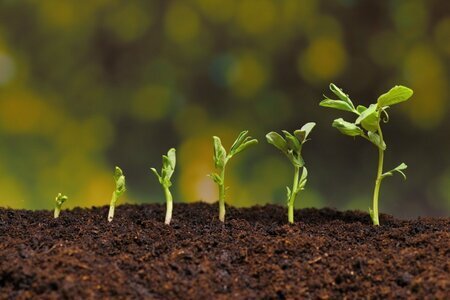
(367, 126)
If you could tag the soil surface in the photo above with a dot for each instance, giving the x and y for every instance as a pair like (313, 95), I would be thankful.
(255, 255)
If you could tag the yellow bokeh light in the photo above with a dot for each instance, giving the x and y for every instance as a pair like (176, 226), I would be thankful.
(323, 60)
(182, 23)
(247, 76)
(218, 11)
(427, 78)
(152, 102)
(256, 16)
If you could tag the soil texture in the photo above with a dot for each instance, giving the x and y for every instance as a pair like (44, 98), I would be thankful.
(326, 254)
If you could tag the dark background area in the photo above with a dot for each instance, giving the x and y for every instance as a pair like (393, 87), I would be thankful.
(87, 86)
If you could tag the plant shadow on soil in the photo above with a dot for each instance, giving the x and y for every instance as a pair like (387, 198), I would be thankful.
(254, 255)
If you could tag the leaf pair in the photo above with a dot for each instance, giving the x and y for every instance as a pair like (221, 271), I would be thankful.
(119, 178)
(60, 199)
(168, 167)
(291, 144)
(242, 142)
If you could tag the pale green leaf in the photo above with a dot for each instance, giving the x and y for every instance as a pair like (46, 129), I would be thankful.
(303, 133)
(292, 141)
(398, 169)
(240, 139)
(336, 104)
(219, 153)
(395, 95)
(245, 145)
(343, 96)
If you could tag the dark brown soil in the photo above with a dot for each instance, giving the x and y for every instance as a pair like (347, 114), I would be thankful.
(255, 255)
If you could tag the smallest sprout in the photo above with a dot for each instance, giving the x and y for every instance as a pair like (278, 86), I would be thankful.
(120, 189)
(59, 200)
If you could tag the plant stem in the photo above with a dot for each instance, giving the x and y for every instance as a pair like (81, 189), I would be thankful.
(112, 206)
(57, 211)
(293, 195)
(222, 196)
(376, 192)
(169, 205)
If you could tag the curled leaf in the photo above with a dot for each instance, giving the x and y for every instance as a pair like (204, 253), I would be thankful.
(347, 128)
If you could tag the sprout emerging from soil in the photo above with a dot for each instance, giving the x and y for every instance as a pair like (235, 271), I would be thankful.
(367, 126)
(221, 159)
(119, 178)
(291, 145)
(168, 167)
(59, 200)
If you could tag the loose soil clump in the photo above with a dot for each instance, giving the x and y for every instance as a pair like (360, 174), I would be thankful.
(254, 255)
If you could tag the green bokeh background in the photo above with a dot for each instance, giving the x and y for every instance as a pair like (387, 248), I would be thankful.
(87, 85)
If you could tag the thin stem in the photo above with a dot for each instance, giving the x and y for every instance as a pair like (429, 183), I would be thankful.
(169, 205)
(376, 193)
(112, 206)
(222, 196)
(57, 211)
(293, 195)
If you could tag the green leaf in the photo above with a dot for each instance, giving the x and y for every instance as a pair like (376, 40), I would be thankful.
(216, 178)
(376, 140)
(156, 174)
(336, 104)
(60, 199)
(292, 141)
(343, 96)
(278, 141)
(240, 139)
(171, 155)
(303, 133)
(395, 95)
(120, 181)
(347, 128)
(248, 143)
(369, 118)
(398, 169)
(288, 193)
(295, 158)
(219, 153)
(360, 109)
(303, 179)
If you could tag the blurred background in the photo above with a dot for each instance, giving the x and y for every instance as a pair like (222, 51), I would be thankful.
(87, 86)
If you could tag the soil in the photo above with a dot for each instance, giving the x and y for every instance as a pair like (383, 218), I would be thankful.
(255, 255)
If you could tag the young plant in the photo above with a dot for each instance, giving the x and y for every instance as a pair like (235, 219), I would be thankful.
(59, 200)
(368, 126)
(221, 159)
(119, 178)
(291, 145)
(168, 167)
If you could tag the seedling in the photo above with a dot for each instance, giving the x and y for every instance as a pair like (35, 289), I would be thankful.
(168, 167)
(291, 145)
(221, 159)
(367, 126)
(119, 178)
(59, 200)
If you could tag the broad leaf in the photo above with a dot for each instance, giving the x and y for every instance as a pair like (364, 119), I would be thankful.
(347, 128)
(366, 113)
(398, 169)
(360, 109)
(376, 140)
(303, 133)
(336, 104)
(219, 153)
(171, 155)
(278, 141)
(395, 95)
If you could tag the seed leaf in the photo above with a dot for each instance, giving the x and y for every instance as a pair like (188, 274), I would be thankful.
(395, 95)
(347, 128)
(60, 199)
(120, 181)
